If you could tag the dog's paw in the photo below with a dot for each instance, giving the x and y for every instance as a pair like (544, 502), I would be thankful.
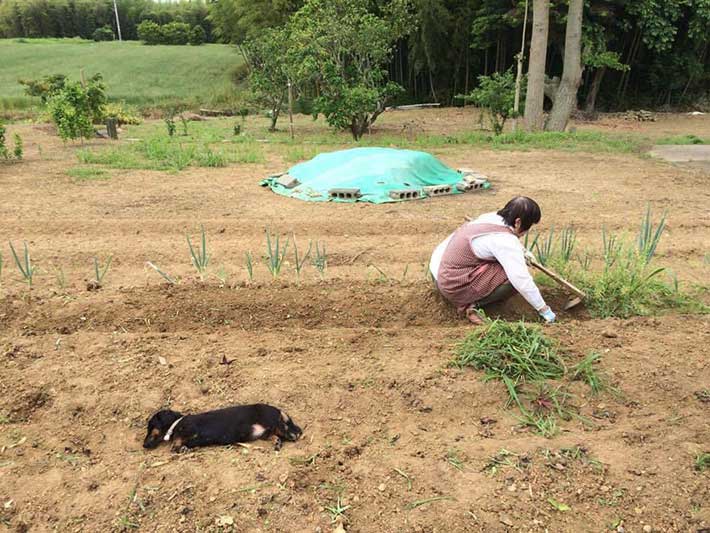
(278, 443)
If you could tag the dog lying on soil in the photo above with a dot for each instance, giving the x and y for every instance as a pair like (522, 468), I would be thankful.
(243, 423)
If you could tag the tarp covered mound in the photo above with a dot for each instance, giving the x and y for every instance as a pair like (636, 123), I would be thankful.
(376, 175)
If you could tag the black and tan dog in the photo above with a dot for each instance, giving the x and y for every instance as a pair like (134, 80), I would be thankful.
(241, 423)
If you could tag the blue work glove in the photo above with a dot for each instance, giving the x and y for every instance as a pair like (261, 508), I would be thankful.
(547, 314)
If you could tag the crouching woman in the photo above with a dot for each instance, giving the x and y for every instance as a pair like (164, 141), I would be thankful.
(483, 261)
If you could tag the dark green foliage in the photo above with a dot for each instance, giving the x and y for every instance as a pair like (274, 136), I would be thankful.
(76, 106)
(45, 87)
(175, 33)
(236, 21)
(150, 33)
(197, 36)
(643, 53)
(104, 33)
(170, 125)
(18, 151)
(84, 18)
(344, 48)
(496, 95)
(268, 71)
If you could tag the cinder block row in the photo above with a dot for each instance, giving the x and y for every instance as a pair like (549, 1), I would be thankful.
(404, 194)
(344, 194)
(437, 190)
(465, 186)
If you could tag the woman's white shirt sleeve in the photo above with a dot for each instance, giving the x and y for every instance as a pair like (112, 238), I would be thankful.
(508, 251)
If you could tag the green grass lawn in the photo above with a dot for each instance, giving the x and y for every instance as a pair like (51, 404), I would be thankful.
(141, 75)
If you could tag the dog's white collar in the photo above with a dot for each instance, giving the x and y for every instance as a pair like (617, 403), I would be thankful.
(169, 433)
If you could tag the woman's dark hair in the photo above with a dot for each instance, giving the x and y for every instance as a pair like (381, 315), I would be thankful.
(524, 208)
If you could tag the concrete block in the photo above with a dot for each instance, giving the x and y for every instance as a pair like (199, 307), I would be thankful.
(345, 194)
(465, 186)
(287, 181)
(437, 190)
(404, 194)
(474, 177)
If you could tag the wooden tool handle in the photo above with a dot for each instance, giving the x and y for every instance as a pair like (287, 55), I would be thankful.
(558, 279)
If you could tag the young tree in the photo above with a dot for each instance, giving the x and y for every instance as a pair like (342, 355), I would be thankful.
(566, 99)
(496, 95)
(268, 76)
(76, 106)
(344, 49)
(535, 96)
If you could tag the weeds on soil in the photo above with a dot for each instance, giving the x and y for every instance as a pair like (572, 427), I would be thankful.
(300, 260)
(337, 510)
(199, 257)
(513, 350)
(505, 459)
(426, 501)
(320, 259)
(165, 276)
(101, 272)
(24, 265)
(702, 462)
(275, 253)
(625, 284)
(249, 260)
(530, 366)
(406, 476)
(649, 235)
(585, 371)
(60, 277)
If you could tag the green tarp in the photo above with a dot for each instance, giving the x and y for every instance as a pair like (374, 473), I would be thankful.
(373, 172)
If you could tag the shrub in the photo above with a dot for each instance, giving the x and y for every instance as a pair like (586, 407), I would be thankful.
(150, 33)
(45, 87)
(4, 152)
(175, 33)
(105, 33)
(496, 94)
(76, 107)
(123, 113)
(17, 151)
(197, 36)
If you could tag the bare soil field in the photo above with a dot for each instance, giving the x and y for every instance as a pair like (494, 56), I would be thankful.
(395, 438)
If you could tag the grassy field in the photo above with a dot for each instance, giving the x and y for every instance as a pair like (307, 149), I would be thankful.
(142, 75)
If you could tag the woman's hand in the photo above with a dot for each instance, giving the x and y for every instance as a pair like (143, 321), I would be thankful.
(547, 314)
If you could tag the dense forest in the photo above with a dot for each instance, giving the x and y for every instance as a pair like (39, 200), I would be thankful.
(81, 18)
(635, 53)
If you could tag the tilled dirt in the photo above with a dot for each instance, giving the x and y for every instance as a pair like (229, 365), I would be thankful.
(361, 360)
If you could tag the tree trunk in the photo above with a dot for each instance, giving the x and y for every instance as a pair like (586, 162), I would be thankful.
(566, 100)
(275, 110)
(591, 102)
(535, 95)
